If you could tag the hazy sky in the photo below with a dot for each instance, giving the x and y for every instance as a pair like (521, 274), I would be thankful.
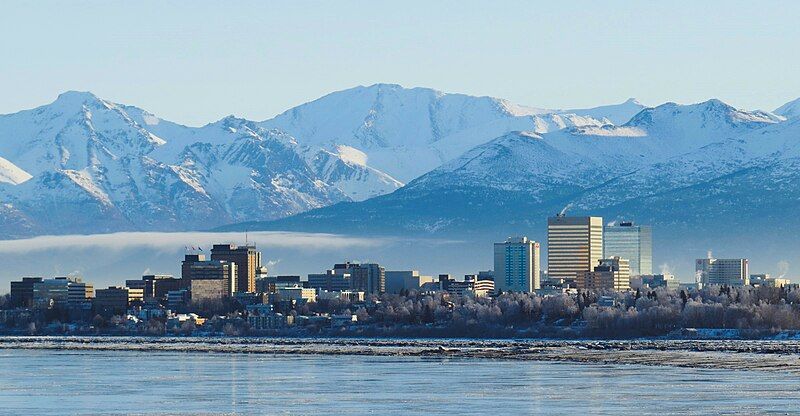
(195, 62)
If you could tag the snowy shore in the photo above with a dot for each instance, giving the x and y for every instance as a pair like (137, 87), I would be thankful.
(772, 355)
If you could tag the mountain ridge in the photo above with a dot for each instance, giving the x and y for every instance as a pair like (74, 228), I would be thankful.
(82, 164)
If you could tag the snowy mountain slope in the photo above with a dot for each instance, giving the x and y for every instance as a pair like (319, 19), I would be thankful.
(774, 149)
(70, 133)
(521, 178)
(407, 132)
(83, 164)
(659, 133)
(789, 110)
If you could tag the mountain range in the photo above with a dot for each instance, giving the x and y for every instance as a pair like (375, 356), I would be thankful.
(705, 175)
(82, 164)
(384, 159)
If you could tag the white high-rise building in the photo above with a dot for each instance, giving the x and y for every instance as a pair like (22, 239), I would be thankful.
(632, 242)
(516, 265)
(729, 272)
(574, 246)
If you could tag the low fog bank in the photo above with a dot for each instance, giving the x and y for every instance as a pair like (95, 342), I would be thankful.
(108, 259)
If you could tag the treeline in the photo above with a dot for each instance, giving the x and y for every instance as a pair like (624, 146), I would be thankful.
(620, 314)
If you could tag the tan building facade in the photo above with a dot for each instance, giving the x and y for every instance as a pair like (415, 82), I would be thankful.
(574, 246)
(609, 274)
(247, 259)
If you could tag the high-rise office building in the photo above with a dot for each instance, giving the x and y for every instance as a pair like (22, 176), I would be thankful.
(610, 274)
(574, 246)
(196, 267)
(632, 242)
(729, 272)
(365, 277)
(517, 265)
(247, 259)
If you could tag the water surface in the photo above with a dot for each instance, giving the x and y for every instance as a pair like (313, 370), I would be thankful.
(51, 382)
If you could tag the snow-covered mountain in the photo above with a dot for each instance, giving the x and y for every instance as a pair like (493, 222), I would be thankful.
(408, 132)
(83, 164)
(512, 183)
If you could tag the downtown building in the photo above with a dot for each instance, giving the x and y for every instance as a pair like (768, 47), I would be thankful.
(610, 274)
(22, 292)
(248, 262)
(208, 279)
(398, 280)
(517, 265)
(728, 272)
(330, 281)
(364, 277)
(115, 299)
(574, 247)
(630, 241)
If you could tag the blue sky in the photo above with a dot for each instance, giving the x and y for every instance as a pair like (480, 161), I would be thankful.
(195, 62)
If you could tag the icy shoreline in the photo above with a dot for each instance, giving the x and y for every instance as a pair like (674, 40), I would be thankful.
(783, 356)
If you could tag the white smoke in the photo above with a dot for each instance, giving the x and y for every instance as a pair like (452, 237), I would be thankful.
(783, 269)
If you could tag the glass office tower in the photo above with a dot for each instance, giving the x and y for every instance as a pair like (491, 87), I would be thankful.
(629, 241)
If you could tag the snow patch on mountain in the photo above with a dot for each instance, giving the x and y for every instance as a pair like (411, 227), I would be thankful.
(11, 173)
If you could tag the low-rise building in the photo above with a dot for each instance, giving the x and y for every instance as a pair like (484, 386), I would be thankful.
(652, 281)
(483, 287)
(22, 292)
(346, 295)
(263, 316)
(297, 293)
(270, 284)
(768, 281)
(609, 274)
(331, 281)
(116, 299)
(398, 280)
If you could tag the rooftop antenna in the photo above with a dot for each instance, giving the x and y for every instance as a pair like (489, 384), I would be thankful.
(246, 241)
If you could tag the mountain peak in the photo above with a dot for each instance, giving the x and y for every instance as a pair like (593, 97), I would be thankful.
(789, 110)
(73, 97)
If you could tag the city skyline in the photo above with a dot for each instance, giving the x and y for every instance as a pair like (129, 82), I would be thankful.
(399, 207)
